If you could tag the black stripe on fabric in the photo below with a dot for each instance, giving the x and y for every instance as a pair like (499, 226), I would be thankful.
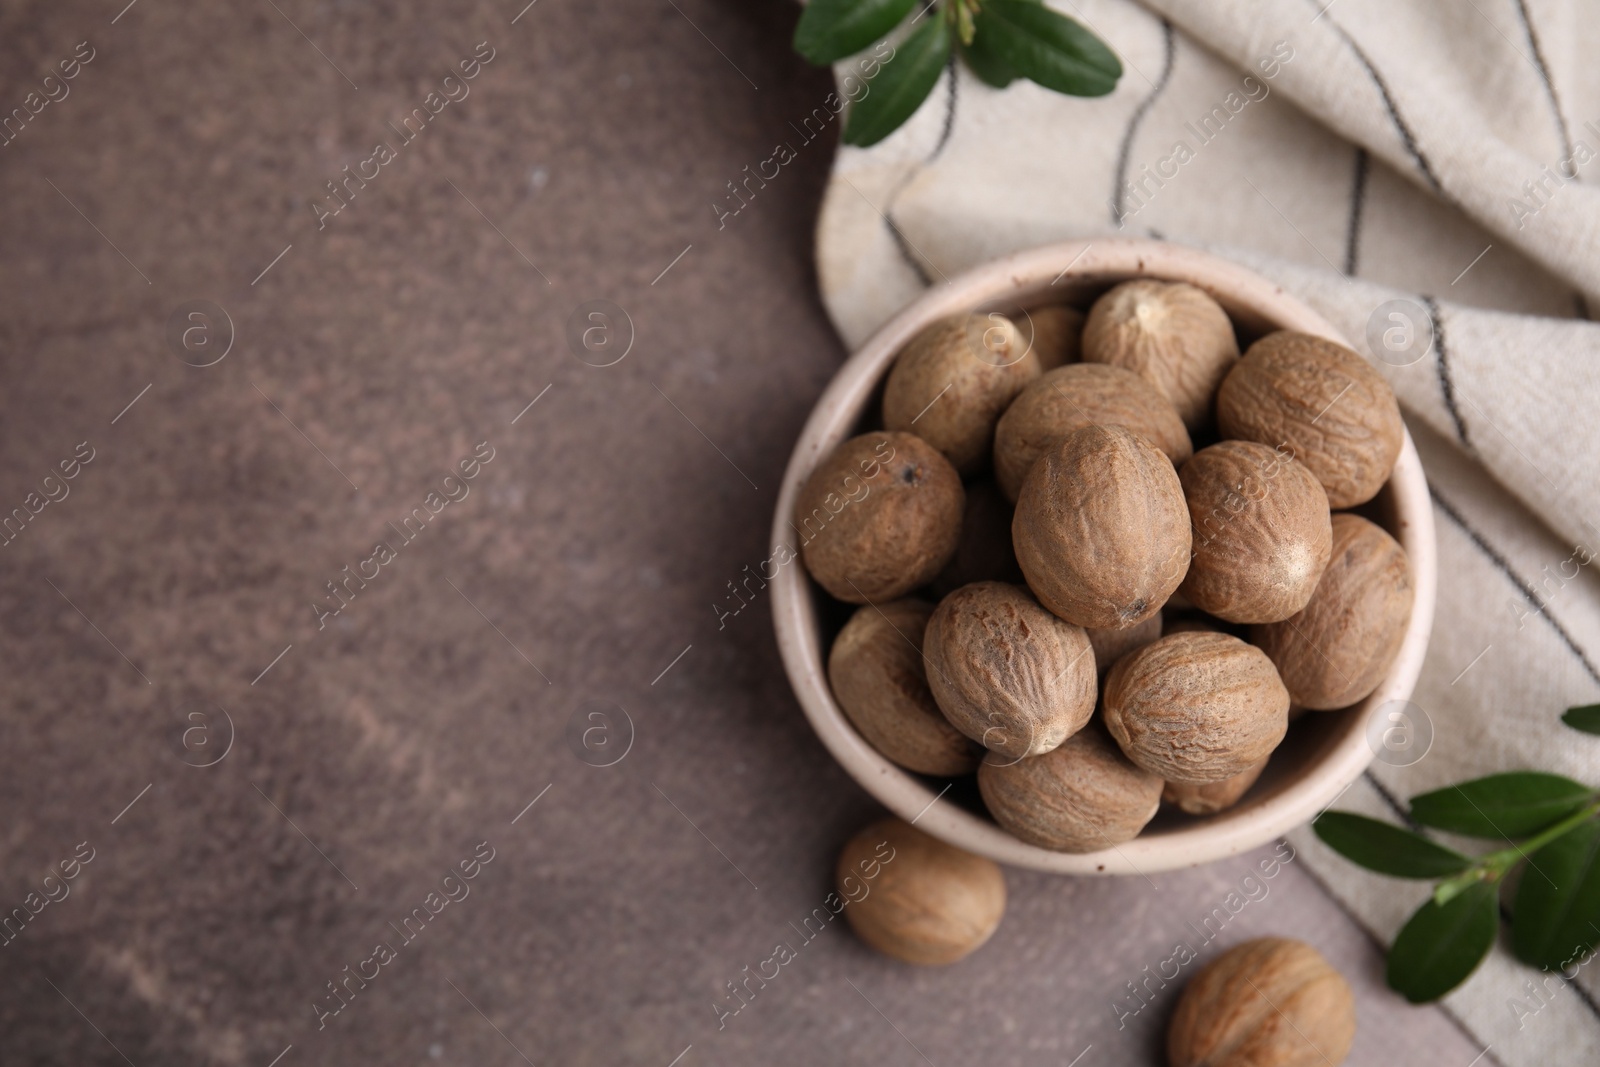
(903, 246)
(906, 252)
(1401, 812)
(1406, 136)
(1581, 307)
(1358, 200)
(1447, 383)
(1549, 84)
(1522, 586)
(1125, 153)
(1586, 997)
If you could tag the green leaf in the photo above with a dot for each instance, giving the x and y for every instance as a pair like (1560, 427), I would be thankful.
(1048, 48)
(1556, 918)
(1387, 849)
(829, 30)
(901, 85)
(1440, 946)
(1585, 718)
(1502, 805)
(985, 61)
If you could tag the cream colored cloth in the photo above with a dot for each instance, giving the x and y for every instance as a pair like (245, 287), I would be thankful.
(1443, 153)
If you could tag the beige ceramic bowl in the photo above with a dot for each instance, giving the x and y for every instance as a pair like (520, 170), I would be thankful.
(1325, 751)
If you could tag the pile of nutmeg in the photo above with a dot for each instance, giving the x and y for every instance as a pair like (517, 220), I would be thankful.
(1103, 560)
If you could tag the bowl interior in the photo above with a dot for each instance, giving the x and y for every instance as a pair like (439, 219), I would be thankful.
(1324, 751)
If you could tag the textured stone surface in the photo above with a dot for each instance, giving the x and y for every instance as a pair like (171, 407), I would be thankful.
(595, 543)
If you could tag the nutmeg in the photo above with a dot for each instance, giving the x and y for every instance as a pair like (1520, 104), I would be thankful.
(1208, 798)
(1337, 649)
(1056, 332)
(952, 381)
(876, 670)
(1323, 404)
(1171, 334)
(1196, 707)
(1101, 529)
(1006, 672)
(1111, 645)
(1271, 1002)
(985, 553)
(879, 517)
(1261, 532)
(1077, 395)
(1081, 797)
(913, 897)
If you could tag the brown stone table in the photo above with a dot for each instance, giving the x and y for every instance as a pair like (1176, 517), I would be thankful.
(175, 595)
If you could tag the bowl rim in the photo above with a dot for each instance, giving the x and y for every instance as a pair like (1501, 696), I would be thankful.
(1018, 279)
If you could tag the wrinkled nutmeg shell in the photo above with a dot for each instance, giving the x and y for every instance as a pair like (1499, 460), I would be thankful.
(1056, 331)
(1169, 333)
(1196, 707)
(1111, 645)
(1339, 647)
(1271, 1002)
(952, 381)
(1077, 395)
(1261, 532)
(1006, 672)
(1208, 798)
(876, 671)
(985, 553)
(1322, 403)
(879, 517)
(913, 897)
(1101, 529)
(1082, 797)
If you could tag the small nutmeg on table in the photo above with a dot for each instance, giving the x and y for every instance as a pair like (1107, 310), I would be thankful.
(1271, 1002)
(930, 903)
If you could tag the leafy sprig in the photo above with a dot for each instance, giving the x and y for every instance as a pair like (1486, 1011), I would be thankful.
(1551, 826)
(1001, 41)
